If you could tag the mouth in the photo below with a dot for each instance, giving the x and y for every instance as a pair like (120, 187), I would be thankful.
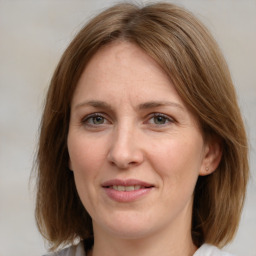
(126, 190)
(126, 185)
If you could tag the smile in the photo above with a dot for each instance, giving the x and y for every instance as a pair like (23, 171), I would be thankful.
(126, 190)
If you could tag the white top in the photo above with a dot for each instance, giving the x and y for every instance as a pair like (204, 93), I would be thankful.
(78, 250)
(210, 250)
(75, 250)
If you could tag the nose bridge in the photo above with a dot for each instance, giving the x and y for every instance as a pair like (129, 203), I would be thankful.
(125, 147)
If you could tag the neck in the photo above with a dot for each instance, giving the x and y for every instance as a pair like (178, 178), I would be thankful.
(151, 247)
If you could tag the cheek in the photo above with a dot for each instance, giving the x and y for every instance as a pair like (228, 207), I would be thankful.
(85, 155)
(85, 162)
(178, 162)
(87, 159)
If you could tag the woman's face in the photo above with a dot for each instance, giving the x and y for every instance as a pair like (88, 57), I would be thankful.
(135, 149)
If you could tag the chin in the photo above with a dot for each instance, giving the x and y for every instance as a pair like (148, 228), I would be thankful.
(127, 228)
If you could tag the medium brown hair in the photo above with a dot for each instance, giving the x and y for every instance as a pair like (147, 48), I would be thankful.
(189, 55)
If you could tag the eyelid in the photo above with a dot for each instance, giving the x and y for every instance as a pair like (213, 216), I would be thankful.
(157, 114)
(92, 115)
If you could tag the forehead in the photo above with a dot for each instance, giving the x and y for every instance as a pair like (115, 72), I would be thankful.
(127, 56)
(123, 66)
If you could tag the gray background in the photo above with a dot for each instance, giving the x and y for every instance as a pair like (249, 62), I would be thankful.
(33, 35)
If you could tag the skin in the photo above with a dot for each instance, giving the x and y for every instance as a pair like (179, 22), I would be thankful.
(116, 132)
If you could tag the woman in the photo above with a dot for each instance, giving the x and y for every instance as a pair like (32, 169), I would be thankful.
(142, 147)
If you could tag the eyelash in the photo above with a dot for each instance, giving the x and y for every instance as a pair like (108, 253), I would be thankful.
(86, 120)
(165, 117)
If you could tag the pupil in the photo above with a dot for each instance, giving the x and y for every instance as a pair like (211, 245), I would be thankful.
(160, 120)
(98, 120)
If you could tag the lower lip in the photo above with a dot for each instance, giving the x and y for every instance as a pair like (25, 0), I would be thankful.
(126, 196)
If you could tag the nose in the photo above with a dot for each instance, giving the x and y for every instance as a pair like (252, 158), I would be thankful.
(125, 150)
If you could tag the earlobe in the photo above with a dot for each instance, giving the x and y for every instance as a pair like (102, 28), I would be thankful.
(212, 156)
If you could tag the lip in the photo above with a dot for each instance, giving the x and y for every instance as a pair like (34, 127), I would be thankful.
(126, 196)
(129, 182)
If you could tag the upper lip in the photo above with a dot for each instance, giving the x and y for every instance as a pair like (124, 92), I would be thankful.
(128, 182)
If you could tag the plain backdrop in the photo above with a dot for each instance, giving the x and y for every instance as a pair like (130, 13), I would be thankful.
(33, 35)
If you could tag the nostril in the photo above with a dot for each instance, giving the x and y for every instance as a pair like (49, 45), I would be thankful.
(132, 163)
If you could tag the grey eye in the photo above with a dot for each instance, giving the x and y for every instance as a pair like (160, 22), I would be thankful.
(98, 120)
(94, 119)
(160, 119)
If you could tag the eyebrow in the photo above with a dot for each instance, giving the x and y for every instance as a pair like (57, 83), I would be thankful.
(142, 106)
(155, 104)
(94, 103)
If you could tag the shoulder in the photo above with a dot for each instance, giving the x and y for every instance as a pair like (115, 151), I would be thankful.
(210, 250)
(75, 250)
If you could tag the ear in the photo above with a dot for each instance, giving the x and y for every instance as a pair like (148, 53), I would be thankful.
(212, 155)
